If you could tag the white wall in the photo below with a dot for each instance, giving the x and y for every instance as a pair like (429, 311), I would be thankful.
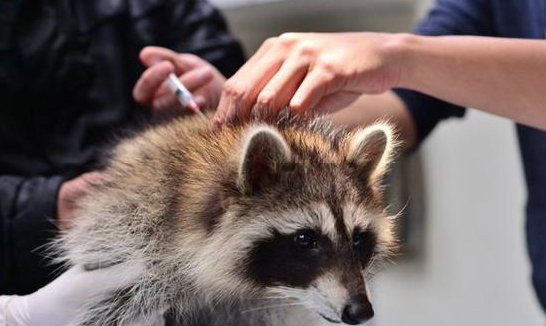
(422, 6)
(474, 269)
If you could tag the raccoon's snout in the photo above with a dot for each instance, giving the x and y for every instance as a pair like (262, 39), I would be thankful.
(357, 311)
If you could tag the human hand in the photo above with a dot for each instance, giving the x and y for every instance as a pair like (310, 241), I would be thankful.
(200, 77)
(310, 71)
(69, 193)
(59, 302)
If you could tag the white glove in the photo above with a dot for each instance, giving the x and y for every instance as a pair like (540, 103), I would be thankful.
(59, 302)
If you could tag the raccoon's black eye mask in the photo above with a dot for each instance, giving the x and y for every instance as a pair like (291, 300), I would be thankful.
(306, 239)
(364, 243)
(290, 259)
(297, 259)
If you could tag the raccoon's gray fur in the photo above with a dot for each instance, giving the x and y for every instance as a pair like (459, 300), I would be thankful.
(255, 224)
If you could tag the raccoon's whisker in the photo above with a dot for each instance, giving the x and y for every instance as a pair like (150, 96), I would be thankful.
(325, 300)
(400, 211)
(274, 298)
(273, 306)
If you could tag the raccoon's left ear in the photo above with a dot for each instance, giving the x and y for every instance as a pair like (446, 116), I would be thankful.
(370, 150)
(264, 153)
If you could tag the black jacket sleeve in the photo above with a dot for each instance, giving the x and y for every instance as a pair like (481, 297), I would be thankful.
(189, 26)
(447, 17)
(27, 212)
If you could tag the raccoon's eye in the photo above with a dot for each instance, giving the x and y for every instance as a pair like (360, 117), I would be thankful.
(305, 240)
(364, 243)
(357, 238)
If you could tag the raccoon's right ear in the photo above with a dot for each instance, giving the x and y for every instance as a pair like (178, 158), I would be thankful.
(264, 153)
(370, 150)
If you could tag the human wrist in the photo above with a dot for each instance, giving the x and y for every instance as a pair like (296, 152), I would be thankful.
(402, 52)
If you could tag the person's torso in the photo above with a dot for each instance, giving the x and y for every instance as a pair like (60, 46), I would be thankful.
(527, 19)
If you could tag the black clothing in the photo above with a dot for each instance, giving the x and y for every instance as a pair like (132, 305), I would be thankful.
(67, 68)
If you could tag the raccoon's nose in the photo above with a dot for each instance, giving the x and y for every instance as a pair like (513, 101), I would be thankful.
(357, 311)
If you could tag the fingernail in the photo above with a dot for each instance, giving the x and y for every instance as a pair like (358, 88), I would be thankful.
(295, 104)
(200, 101)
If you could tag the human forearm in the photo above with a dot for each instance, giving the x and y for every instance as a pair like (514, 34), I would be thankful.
(501, 76)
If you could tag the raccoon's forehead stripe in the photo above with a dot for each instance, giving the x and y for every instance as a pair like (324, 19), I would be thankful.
(308, 217)
(356, 217)
(339, 223)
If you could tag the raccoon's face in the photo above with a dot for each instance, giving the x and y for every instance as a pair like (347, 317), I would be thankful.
(321, 267)
(322, 262)
(309, 222)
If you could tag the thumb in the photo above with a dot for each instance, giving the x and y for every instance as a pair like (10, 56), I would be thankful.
(151, 55)
(109, 278)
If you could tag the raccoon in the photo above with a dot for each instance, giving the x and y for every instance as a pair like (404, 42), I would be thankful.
(256, 223)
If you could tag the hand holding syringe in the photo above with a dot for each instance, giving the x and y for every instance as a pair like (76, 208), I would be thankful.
(183, 94)
(158, 91)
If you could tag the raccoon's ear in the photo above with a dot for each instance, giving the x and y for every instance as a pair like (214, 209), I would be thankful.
(264, 153)
(370, 150)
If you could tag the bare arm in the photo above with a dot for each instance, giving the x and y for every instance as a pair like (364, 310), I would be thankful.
(501, 76)
(506, 77)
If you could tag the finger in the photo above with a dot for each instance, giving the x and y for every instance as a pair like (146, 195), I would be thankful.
(169, 101)
(200, 101)
(226, 107)
(183, 62)
(105, 279)
(282, 86)
(166, 101)
(187, 61)
(221, 110)
(262, 51)
(197, 78)
(316, 85)
(243, 95)
(193, 80)
(151, 55)
(150, 81)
